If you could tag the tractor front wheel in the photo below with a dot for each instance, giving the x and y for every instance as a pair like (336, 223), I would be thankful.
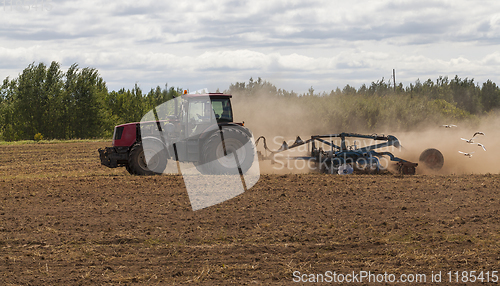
(127, 167)
(138, 163)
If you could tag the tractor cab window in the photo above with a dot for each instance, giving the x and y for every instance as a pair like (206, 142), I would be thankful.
(200, 111)
(200, 115)
(222, 109)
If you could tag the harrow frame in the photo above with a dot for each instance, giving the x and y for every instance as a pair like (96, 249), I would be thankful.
(344, 159)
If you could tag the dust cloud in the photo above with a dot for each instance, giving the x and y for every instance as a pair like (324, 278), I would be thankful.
(278, 120)
(449, 142)
(283, 119)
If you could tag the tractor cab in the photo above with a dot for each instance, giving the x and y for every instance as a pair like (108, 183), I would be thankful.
(201, 111)
(206, 107)
(188, 120)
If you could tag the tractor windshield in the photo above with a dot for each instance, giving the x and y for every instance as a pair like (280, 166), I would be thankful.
(200, 110)
(222, 109)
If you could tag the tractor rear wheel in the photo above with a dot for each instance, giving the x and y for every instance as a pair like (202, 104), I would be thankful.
(218, 156)
(137, 163)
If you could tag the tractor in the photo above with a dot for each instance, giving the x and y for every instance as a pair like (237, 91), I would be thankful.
(195, 128)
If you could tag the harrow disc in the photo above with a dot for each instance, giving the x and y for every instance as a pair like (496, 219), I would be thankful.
(432, 159)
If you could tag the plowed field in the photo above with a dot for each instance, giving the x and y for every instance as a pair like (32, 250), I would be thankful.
(67, 220)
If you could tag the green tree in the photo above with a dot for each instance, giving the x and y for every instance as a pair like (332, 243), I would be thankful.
(490, 96)
(7, 117)
(466, 95)
(31, 101)
(55, 113)
(86, 92)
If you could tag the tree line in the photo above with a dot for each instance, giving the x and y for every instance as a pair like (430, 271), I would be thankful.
(47, 101)
(463, 93)
(378, 106)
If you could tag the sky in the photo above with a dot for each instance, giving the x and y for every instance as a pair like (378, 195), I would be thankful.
(294, 44)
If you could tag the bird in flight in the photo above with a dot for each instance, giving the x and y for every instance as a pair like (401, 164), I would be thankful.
(478, 133)
(466, 154)
(468, 140)
(482, 146)
(449, 125)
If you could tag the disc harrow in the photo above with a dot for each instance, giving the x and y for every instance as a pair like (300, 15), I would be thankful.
(346, 159)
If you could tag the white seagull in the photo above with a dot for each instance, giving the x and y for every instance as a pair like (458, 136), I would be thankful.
(448, 125)
(478, 133)
(468, 140)
(482, 146)
(466, 154)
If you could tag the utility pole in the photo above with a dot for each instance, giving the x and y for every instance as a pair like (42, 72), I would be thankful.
(394, 78)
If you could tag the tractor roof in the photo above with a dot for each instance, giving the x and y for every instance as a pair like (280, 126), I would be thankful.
(212, 94)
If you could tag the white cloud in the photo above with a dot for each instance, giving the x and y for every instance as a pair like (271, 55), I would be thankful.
(238, 60)
(294, 42)
(491, 60)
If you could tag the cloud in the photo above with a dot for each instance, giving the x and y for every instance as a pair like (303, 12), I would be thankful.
(491, 60)
(293, 42)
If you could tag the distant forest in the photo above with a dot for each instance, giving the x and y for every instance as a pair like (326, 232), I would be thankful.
(45, 101)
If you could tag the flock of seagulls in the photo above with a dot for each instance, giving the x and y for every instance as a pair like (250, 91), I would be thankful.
(470, 141)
